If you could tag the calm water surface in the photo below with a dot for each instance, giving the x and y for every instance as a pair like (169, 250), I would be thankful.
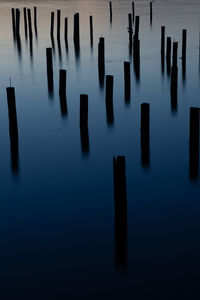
(57, 223)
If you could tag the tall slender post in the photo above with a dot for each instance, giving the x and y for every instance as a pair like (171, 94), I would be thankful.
(58, 24)
(110, 4)
(194, 143)
(109, 99)
(49, 69)
(145, 134)
(91, 31)
(30, 24)
(66, 29)
(13, 22)
(127, 81)
(52, 24)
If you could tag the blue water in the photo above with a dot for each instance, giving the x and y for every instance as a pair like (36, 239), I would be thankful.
(57, 217)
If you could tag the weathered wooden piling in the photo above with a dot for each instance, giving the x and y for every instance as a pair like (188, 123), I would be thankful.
(174, 77)
(49, 69)
(62, 81)
(13, 22)
(120, 204)
(66, 30)
(194, 143)
(76, 30)
(151, 12)
(58, 23)
(35, 20)
(52, 24)
(184, 40)
(145, 134)
(137, 25)
(91, 31)
(110, 5)
(13, 128)
(130, 28)
(30, 24)
(184, 48)
(83, 110)
(84, 123)
(133, 11)
(101, 60)
(162, 41)
(25, 22)
(109, 99)
(17, 22)
(168, 55)
(127, 81)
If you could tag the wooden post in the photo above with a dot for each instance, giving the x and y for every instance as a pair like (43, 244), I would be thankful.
(58, 23)
(49, 68)
(127, 81)
(145, 134)
(13, 128)
(35, 19)
(91, 31)
(52, 24)
(25, 22)
(101, 60)
(13, 22)
(84, 124)
(30, 24)
(163, 41)
(76, 30)
(184, 38)
(151, 12)
(194, 143)
(168, 55)
(66, 29)
(120, 203)
(109, 99)
(62, 82)
(133, 11)
(130, 29)
(17, 22)
(110, 4)
(137, 23)
(174, 78)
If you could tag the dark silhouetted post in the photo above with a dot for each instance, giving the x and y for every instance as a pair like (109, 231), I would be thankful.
(91, 31)
(184, 48)
(137, 24)
(120, 200)
(163, 48)
(52, 24)
(30, 24)
(127, 81)
(194, 143)
(133, 11)
(66, 29)
(13, 128)
(62, 82)
(35, 20)
(13, 22)
(25, 22)
(76, 30)
(62, 92)
(58, 24)
(168, 55)
(136, 43)
(130, 29)
(101, 60)
(49, 69)
(109, 99)
(145, 134)
(151, 12)
(84, 123)
(174, 77)
(17, 22)
(110, 4)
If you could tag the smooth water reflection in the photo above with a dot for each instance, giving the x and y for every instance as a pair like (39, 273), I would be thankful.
(65, 231)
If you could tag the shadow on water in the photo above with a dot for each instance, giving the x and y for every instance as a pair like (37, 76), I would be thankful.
(120, 204)
(13, 130)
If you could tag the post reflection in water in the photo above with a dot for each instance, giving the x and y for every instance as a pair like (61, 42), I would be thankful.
(120, 204)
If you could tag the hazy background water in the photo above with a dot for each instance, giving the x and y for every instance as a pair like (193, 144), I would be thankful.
(57, 212)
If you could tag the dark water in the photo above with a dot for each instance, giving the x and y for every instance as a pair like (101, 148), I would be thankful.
(57, 217)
